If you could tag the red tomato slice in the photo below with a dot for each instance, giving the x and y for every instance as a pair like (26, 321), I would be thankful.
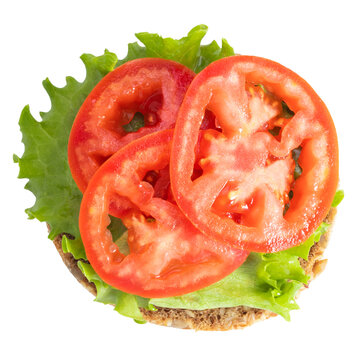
(152, 87)
(168, 255)
(241, 197)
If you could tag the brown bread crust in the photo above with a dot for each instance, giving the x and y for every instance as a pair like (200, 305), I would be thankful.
(212, 319)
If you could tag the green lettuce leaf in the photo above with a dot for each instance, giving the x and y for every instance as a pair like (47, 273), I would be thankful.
(265, 281)
(212, 52)
(125, 304)
(338, 198)
(304, 249)
(186, 50)
(74, 246)
(44, 161)
(135, 51)
(136, 123)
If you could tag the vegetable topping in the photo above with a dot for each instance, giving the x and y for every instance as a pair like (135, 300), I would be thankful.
(247, 173)
(168, 256)
(136, 99)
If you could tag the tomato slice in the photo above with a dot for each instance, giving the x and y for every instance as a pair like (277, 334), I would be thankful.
(168, 255)
(150, 88)
(246, 195)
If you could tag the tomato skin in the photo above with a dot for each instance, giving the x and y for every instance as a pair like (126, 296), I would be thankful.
(154, 87)
(168, 255)
(236, 154)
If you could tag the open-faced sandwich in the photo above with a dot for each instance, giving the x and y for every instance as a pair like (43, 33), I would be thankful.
(186, 185)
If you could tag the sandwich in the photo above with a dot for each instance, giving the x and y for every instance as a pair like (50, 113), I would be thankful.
(185, 185)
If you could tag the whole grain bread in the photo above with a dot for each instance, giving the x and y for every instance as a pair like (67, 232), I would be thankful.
(212, 319)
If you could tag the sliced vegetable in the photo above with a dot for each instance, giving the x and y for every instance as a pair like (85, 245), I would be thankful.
(239, 197)
(153, 88)
(168, 256)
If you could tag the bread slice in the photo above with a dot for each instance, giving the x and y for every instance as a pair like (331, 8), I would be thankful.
(212, 319)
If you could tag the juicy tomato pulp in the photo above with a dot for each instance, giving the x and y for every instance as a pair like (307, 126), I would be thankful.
(138, 98)
(168, 255)
(245, 194)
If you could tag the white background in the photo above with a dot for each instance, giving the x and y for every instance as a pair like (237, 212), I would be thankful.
(45, 313)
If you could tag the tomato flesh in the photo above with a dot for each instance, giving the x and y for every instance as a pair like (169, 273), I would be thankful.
(168, 255)
(240, 197)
